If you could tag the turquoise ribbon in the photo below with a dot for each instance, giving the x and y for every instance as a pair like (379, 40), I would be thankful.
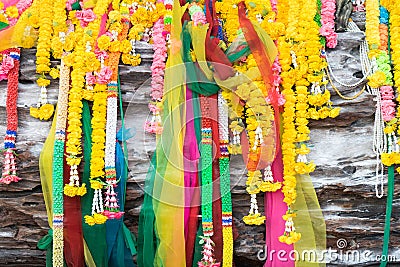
(389, 202)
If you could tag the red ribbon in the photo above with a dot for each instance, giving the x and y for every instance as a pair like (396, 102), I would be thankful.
(264, 64)
(73, 234)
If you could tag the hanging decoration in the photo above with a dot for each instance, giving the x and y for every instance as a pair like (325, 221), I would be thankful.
(265, 63)
(9, 70)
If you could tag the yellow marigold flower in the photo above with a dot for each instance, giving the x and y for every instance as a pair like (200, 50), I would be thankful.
(289, 215)
(70, 191)
(114, 15)
(114, 46)
(88, 95)
(73, 160)
(46, 111)
(99, 218)
(125, 46)
(303, 150)
(389, 129)
(81, 190)
(96, 184)
(377, 79)
(324, 112)
(334, 112)
(43, 82)
(254, 219)
(54, 73)
(3, 18)
(90, 220)
(270, 187)
(1, 5)
(12, 12)
(387, 159)
(292, 238)
(34, 112)
(104, 42)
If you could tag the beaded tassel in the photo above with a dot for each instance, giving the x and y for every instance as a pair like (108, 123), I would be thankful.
(9, 173)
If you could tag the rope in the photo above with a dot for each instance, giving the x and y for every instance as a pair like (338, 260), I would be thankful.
(340, 94)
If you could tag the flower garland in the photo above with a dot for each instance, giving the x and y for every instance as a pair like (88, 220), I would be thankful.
(392, 127)
(83, 60)
(207, 187)
(11, 62)
(59, 29)
(43, 109)
(225, 183)
(58, 164)
(328, 23)
(157, 76)
(111, 205)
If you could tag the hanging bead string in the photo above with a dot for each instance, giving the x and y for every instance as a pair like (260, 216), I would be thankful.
(206, 184)
(366, 64)
(9, 173)
(110, 202)
(58, 165)
(227, 257)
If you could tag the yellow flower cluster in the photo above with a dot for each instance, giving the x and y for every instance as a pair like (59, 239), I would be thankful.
(255, 184)
(96, 218)
(99, 121)
(59, 27)
(228, 12)
(44, 112)
(45, 35)
(254, 219)
(72, 191)
(290, 238)
(144, 17)
(377, 79)
(302, 66)
(372, 27)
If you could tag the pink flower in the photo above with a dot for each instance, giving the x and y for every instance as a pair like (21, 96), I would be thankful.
(153, 108)
(388, 113)
(386, 92)
(90, 78)
(85, 16)
(7, 179)
(101, 54)
(2, 76)
(104, 75)
(88, 15)
(331, 40)
(325, 30)
(156, 94)
(7, 64)
(199, 18)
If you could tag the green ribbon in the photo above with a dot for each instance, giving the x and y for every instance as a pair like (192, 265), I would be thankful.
(46, 243)
(130, 240)
(3, 25)
(389, 203)
(95, 236)
(76, 6)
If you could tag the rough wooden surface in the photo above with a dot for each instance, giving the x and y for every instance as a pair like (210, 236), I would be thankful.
(341, 148)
